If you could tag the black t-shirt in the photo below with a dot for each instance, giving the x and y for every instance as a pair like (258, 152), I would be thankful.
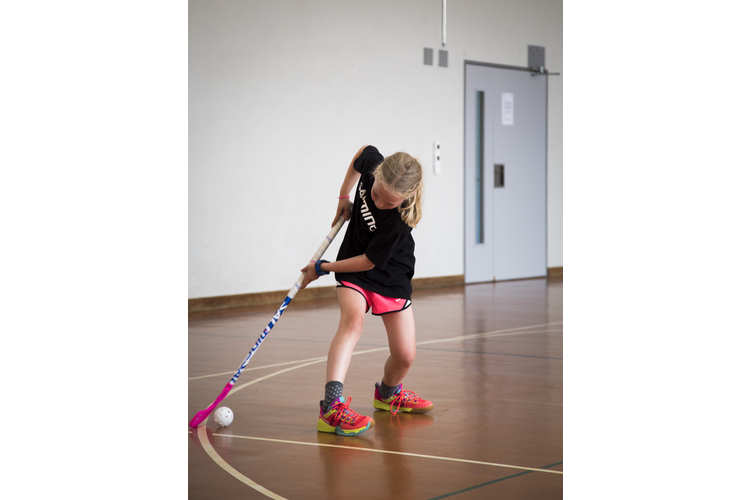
(379, 234)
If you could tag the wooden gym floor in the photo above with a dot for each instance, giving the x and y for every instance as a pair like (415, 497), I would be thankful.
(489, 356)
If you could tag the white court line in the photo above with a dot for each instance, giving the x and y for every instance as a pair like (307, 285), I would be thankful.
(256, 368)
(320, 360)
(434, 457)
(203, 436)
(255, 381)
(496, 333)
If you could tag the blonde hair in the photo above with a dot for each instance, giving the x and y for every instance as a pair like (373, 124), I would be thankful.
(401, 175)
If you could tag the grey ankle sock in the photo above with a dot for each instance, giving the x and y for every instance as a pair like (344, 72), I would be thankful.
(334, 390)
(386, 391)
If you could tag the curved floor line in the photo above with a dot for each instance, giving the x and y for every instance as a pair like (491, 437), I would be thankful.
(495, 333)
(203, 435)
(320, 360)
(257, 368)
(255, 381)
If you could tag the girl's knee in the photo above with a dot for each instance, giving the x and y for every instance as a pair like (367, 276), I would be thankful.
(351, 326)
(352, 323)
(404, 358)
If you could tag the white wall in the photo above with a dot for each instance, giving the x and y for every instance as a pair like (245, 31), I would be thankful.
(282, 94)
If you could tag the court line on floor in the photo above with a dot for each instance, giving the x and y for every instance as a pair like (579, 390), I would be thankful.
(493, 353)
(402, 453)
(490, 482)
(203, 436)
(495, 333)
(258, 368)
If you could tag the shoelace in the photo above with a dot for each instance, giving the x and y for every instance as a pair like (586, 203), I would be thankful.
(404, 397)
(343, 411)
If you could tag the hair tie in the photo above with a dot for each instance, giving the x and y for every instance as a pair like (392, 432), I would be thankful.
(343, 197)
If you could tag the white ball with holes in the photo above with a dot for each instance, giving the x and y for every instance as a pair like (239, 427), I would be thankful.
(223, 416)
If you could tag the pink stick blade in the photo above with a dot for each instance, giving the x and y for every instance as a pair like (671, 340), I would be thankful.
(203, 414)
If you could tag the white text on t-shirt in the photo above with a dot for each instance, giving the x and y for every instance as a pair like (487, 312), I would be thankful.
(366, 211)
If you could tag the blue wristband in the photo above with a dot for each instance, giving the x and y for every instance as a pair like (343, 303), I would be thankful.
(318, 270)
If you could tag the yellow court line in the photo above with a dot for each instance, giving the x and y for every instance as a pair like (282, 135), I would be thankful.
(203, 436)
(434, 457)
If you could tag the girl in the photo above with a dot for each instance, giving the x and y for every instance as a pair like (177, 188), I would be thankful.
(373, 269)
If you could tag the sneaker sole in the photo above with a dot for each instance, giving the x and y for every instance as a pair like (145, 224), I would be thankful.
(324, 427)
(379, 405)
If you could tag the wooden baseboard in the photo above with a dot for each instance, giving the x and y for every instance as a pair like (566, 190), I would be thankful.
(438, 282)
(244, 300)
(555, 272)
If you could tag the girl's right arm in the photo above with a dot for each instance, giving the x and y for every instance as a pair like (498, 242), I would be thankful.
(344, 208)
(351, 265)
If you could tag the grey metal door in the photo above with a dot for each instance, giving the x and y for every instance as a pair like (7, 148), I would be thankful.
(505, 167)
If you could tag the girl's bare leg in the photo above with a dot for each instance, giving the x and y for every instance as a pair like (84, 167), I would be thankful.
(352, 320)
(402, 343)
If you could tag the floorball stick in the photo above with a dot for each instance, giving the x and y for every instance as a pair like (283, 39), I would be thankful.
(201, 415)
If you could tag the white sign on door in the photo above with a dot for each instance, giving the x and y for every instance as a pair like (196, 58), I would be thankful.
(506, 99)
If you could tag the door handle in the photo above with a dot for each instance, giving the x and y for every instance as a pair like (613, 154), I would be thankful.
(499, 175)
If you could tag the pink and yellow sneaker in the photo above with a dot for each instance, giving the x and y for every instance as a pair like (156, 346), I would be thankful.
(342, 420)
(403, 400)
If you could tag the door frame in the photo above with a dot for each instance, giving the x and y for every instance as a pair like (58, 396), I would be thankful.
(468, 62)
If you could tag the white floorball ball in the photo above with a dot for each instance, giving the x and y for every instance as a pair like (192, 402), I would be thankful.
(223, 416)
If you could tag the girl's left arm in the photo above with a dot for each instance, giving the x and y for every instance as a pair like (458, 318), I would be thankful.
(344, 208)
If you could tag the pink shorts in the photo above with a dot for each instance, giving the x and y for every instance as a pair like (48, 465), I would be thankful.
(380, 305)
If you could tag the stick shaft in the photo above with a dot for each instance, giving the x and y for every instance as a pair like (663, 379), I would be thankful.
(201, 415)
(318, 254)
